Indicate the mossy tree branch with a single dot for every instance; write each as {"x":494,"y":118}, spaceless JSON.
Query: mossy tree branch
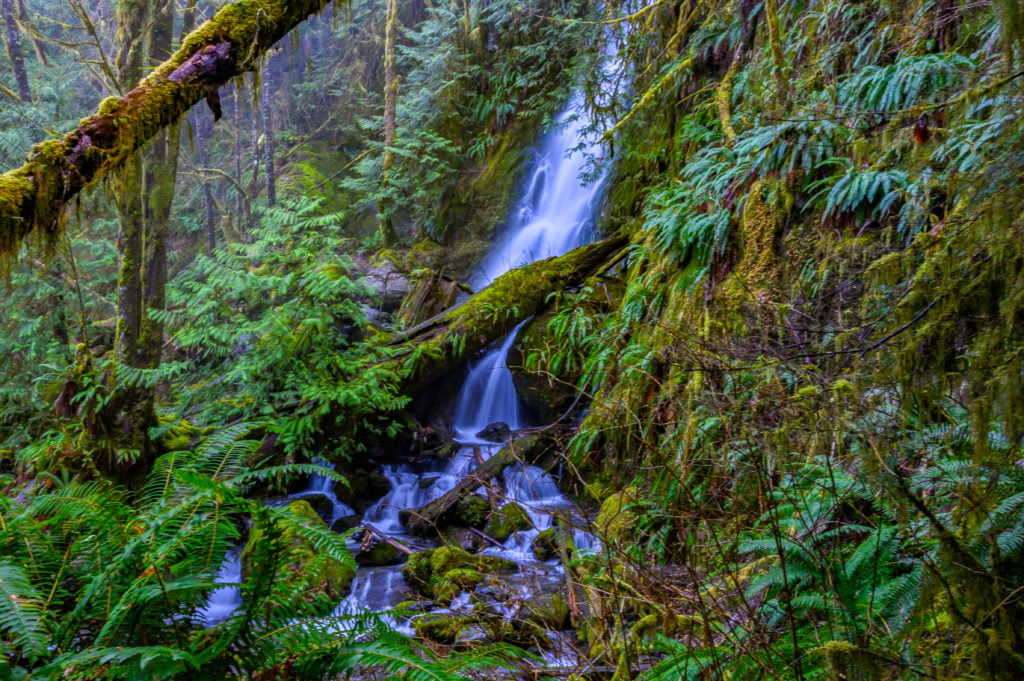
{"x":34,"y":196}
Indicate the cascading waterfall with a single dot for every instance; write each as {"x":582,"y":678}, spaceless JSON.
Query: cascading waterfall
{"x":555,"y":213}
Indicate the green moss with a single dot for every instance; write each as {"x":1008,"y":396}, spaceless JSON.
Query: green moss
{"x":441,"y":628}
{"x":472,"y":511}
{"x":507,"y":520}
{"x":440,"y":573}
{"x":616,"y":519}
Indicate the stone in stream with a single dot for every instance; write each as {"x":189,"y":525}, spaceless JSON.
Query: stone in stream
{"x":346,"y":523}
{"x":497,"y":432}
{"x":545,"y":546}
{"x":507,"y":520}
{"x":470,"y":511}
{"x":380,"y":555}
{"x":440,"y":574}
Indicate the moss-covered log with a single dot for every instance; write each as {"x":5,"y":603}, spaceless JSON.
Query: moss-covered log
{"x":33,"y":197}
{"x":434,"y":347}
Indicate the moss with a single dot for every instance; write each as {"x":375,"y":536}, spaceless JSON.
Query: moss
{"x":507,"y":520}
{"x":616,"y":520}
{"x":471,"y":511}
{"x":441,"y":628}
{"x":436,"y":572}
{"x":545,"y":546}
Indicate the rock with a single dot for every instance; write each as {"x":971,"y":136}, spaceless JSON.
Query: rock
{"x":382,"y":553}
{"x":436,"y":572}
{"x":427,"y":481}
{"x":497,"y":432}
{"x":507,"y":520}
{"x":389,"y":284}
{"x":364,"y":487}
{"x":617,"y":516}
{"x":471,"y":511}
{"x":309,"y":571}
{"x":441,"y":628}
{"x":321,"y":504}
{"x":547,"y":609}
{"x":544,"y":545}
{"x":345,"y":523}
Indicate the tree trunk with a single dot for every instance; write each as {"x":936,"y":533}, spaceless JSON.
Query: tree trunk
{"x":33,"y":197}
{"x":268,"y":143}
{"x":14,"y":50}
{"x":202,"y":136}
{"x":386,"y":227}
{"x":429,"y":350}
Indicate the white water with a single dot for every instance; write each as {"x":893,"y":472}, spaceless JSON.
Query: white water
{"x":555,"y":213}
{"x":225,"y":600}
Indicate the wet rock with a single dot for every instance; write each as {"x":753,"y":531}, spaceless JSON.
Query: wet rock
{"x":471,"y":511}
{"x":345,"y":523}
{"x":507,"y":520}
{"x":436,"y":572}
{"x":427,"y":481}
{"x":441,"y":628}
{"x":363,"y":489}
{"x":547,"y":609}
{"x":545,"y":546}
{"x":310,"y":571}
{"x":498,"y":432}
{"x":321,"y":504}
{"x":381,"y":554}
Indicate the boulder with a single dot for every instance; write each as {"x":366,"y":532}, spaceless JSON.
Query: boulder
{"x":545,"y":546}
{"x":441,"y":573}
{"x":498,"y":432}
{"x":507,"y":520}
{"x":345,"y":523}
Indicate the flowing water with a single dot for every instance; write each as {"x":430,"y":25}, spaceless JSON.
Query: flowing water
{"x":555,"y":213}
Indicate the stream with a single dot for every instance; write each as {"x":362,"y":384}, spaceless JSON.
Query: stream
{"x":554,"y":213}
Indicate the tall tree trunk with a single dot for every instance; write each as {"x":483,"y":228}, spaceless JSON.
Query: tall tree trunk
{"x":14,"y":50}
{"x":385,"y":226}
{"x":202,"y":139}
{"x":268,"y":143}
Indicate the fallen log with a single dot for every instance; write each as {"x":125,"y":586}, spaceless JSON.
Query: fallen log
{"x":422,"y":519}
{"x":232,"y":42}
{"x":429,"y":350}
{"x":388,"y":540}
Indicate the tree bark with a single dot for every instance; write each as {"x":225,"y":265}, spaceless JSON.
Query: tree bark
{"x":14,"y":52}
{"x":268,"y":141}
{"x":386,"y":227}
{"x":33,"y":197}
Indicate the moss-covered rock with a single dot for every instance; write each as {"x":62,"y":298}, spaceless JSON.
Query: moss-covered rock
{"x":471,"y":511}
{"x":441,"y":573}
{"x":441,"y":628}
{"x":382,"y":553}
{"x":545,"y":546}
{"x":507,"y":520}
{"x":308,"y":571}
{"x":617,"y":518}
